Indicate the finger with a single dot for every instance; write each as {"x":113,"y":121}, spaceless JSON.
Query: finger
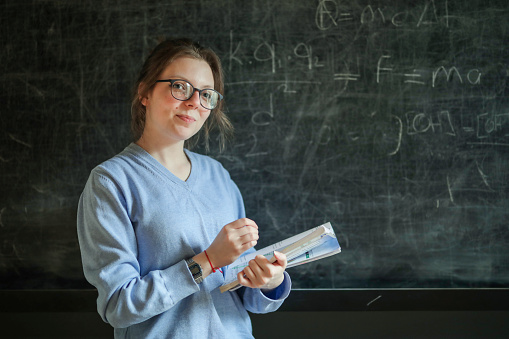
{"x":269,"y":270}
{"x":259,"y":272}
{"x":246,"y":235}
{"x":240,"y":223}
{"x":259,"y":265}
{"x":262,"y":262}
{"x":242,"y":231}
{"x":249,"y":237}
{"x":242,"y":235}
{"x":281,"y":259}
{"x":243,"y":277}
{"x":246,"y":230}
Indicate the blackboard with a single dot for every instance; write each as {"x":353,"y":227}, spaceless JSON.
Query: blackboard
{"x":390,"y":119}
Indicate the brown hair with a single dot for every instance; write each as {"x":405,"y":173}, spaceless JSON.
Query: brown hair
{"x":162,"y":56}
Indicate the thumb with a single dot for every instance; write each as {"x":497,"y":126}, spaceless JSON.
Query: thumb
{"x":280,"y":259}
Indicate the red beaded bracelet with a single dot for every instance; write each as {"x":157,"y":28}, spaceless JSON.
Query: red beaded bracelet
{"x":214,"y":269}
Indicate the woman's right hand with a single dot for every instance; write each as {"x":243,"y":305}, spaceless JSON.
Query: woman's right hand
{"x":233,"y":240}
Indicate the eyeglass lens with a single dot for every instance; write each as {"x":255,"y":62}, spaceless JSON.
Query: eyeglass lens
{"x":183,"y":90}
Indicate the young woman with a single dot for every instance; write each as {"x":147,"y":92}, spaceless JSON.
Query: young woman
{"x":158,"y":224}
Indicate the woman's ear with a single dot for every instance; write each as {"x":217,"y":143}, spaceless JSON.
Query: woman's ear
{"x":141,"y":89}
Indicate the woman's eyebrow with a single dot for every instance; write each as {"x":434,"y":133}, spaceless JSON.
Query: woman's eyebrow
{"x":180,"y":77}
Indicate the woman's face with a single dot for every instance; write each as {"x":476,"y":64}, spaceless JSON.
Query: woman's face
{"x":170,"y":120}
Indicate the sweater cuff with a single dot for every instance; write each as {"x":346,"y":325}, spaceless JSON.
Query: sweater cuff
{"x":179,"y":281}
{"x":282,"y":291}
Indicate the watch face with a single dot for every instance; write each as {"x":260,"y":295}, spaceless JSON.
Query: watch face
{"x":196,"y":270}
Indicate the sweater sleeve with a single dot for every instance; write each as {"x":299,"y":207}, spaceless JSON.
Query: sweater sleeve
{"x":109,"y":255}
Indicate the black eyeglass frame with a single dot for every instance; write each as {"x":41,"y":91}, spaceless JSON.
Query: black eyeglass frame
{"x":172,"y":81}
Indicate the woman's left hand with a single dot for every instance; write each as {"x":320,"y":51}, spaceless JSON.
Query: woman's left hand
{"x":260,"y":273}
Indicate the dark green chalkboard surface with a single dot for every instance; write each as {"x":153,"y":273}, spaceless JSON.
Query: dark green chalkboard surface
{"x":390,"y":119}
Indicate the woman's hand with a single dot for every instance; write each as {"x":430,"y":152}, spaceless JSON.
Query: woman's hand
{"x":260,"y":273}
{"x":233,"y":240}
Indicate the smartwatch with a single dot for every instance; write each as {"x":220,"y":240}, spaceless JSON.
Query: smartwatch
{"x":195,"y":269}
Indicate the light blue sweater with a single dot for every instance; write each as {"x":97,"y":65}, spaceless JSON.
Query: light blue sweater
{"x":137,"y":223}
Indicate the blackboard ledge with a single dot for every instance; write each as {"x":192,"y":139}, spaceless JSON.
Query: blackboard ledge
{"x":415,"y":299}
{"x":300,"y":300}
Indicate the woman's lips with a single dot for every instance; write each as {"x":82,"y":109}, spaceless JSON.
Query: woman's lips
{"x":186,"y":118}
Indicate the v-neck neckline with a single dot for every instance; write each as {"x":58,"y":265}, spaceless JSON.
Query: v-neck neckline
{"x":163,"y":170}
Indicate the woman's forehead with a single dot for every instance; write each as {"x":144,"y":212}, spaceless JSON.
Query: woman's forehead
{"x":196,"y":71}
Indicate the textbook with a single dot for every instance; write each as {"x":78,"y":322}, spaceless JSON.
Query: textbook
{"x":317,"y":243}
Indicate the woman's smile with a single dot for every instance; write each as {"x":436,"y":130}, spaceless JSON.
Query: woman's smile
{"x":186,"y":118}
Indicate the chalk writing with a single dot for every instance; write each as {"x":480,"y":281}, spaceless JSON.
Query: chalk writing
{"x":472,"y":76}
{"x":331,"y":13}
{"x":421,"y":123}
{"x":385,"y":68}
{"x":257,"y":118}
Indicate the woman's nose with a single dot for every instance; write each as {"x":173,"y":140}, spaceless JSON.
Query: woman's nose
{"x":194,"y":100}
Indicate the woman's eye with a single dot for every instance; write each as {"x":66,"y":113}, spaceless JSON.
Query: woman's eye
{"x":179,"y":86}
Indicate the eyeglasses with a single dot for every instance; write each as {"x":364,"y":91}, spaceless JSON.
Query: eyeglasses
{"x":183,"y":90}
